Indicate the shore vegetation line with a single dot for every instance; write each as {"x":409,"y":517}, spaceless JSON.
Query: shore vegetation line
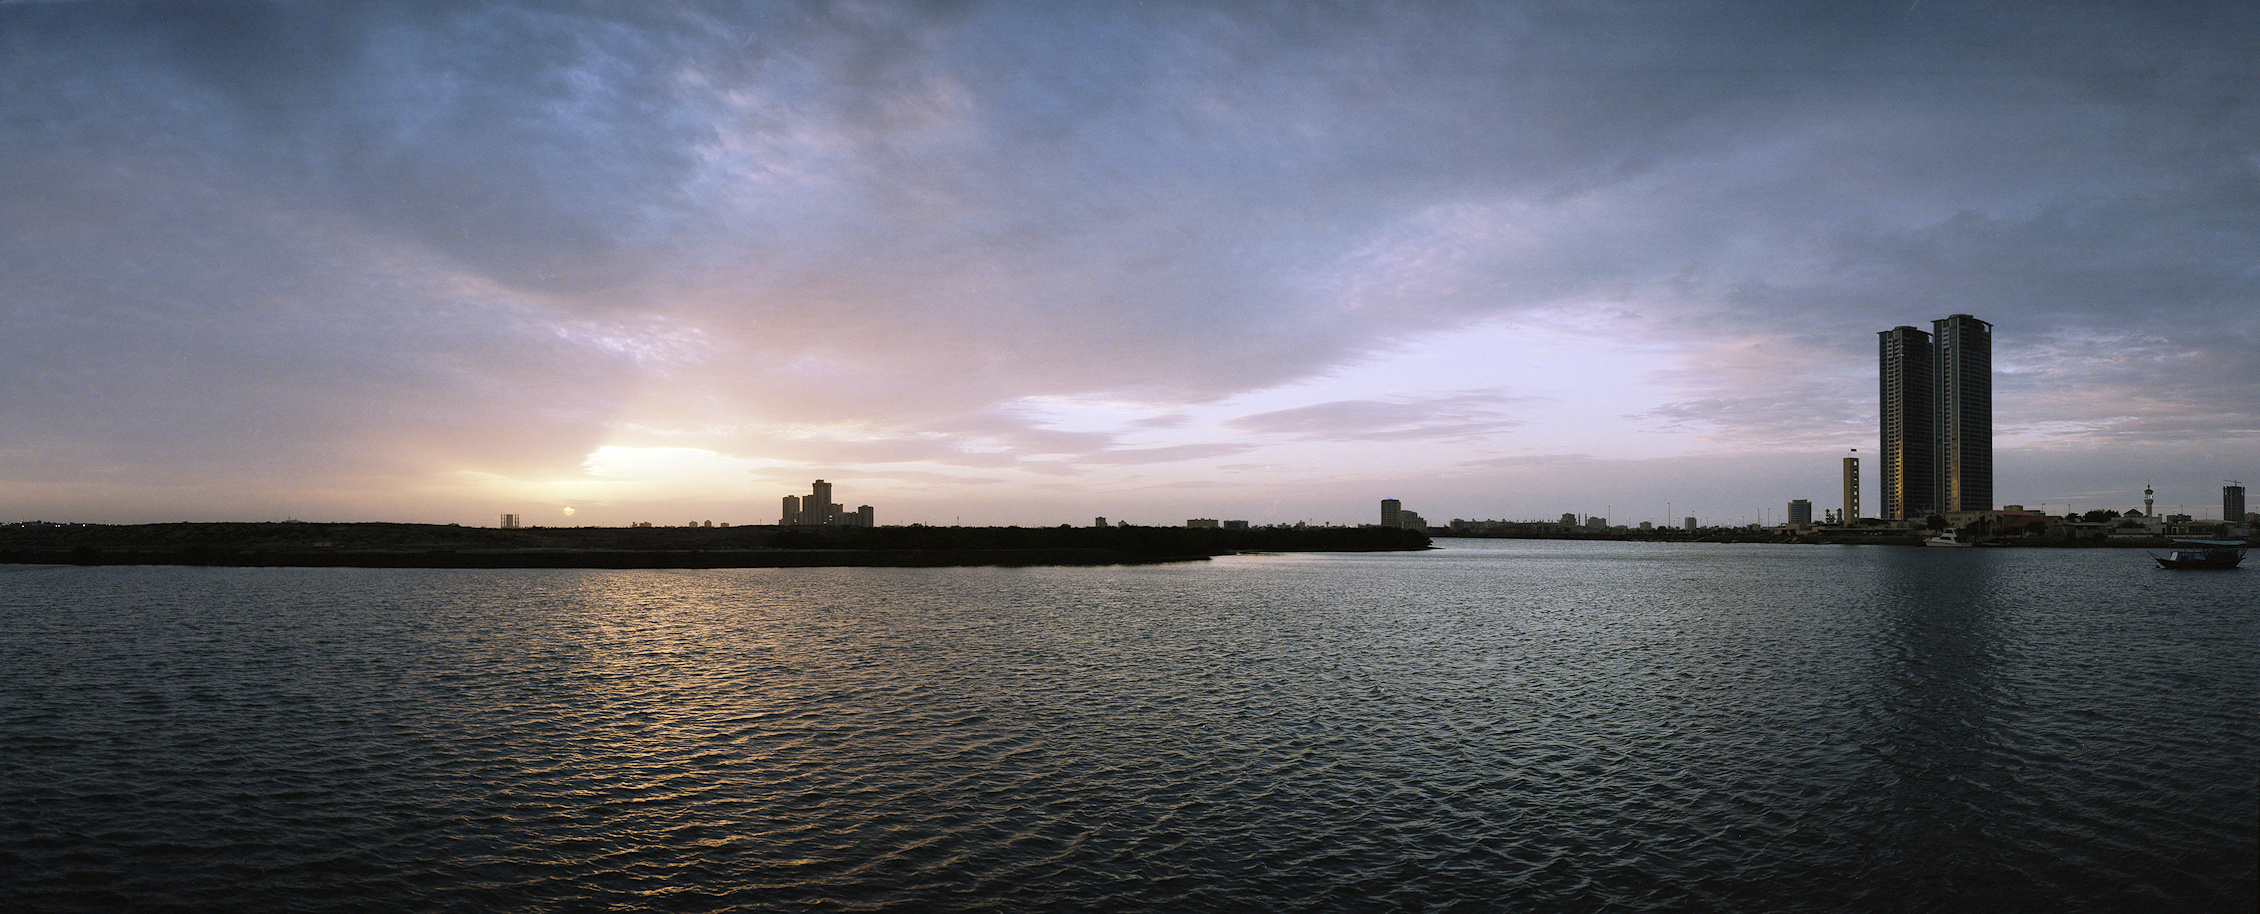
{"x":385,"y":545}
{"x":1871,"y":536}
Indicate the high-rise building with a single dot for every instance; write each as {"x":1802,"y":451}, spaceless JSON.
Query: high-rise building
{"x":1392,"y":512}
{"x":2232,"y":502}
{"x":1910,"y":452}
{"x":1965,"y":412}
{"x":1936,"y":409}
{"x":818,"y":508}
{"x":1800,"y":511}
{"x":1851,"y":513}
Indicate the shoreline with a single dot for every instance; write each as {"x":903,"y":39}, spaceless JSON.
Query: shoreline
{"x":383,"y":545}
{"x":607,"y":559}
{"x":1893,"y":539}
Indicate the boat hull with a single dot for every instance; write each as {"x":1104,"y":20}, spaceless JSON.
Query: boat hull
{"x":2201,"y":554}
{"x":2199,"y":563}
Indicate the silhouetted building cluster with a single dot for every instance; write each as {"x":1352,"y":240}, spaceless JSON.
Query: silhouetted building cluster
{"x":1393,"y":514}
{"x":816,"y":509}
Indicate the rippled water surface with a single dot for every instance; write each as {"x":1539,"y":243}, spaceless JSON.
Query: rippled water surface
{"x":1493,"y":726}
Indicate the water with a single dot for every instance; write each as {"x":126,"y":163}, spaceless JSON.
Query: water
{"x":1497,"y":726}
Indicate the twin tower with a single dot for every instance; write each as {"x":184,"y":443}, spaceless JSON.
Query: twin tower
{"x":1937,"y":418}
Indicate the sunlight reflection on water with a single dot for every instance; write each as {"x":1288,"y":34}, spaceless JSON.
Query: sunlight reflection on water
{"x":1522,"y":725}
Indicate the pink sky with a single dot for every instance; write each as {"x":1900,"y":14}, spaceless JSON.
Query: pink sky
{"x":1015,"y":264}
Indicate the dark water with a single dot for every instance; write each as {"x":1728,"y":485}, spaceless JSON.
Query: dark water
{"x":1500,"y":726}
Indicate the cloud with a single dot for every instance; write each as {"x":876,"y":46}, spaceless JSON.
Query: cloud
{"x":1458,"y":414}
{"x":320,"y":250}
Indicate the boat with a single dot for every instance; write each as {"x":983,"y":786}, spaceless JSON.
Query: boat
{"x":2201,"y":554}
{"x":1949,"y":538}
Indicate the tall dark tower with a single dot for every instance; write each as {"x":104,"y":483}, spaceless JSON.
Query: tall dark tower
{"x":1910,"y":423}
{"x":1964,"y":361}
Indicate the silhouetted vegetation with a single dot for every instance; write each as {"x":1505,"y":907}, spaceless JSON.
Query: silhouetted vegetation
{"x":1135,"y":540}
{"x":434,"y":545}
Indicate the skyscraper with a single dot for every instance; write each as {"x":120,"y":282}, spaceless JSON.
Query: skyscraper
{"x":1800,"y":511}
{"x":1910,"y":446}
{"x":1937,"y":417}
{"x":2232,"y":502}
{"x":1964,"y":361}
{"x":1392,"y":512}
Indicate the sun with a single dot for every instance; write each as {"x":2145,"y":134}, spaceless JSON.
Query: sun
{"x":568,"y":512}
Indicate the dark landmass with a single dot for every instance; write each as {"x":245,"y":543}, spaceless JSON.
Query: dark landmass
{"x":371,"y":545}
{"x":1870,"y":537}
{"x":1863,"y":536}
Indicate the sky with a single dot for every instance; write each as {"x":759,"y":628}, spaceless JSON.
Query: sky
{"x":1033,"y":263}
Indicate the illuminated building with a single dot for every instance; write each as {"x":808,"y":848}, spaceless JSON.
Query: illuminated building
{"x":1936,"y":409}
{"x":1964,"y":362}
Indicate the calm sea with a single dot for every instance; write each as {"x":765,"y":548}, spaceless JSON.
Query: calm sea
{"x":1541,"y":726}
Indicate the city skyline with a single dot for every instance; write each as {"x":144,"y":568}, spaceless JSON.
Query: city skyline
{"x":818,"y":509}
{"x":1013,"y":263}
